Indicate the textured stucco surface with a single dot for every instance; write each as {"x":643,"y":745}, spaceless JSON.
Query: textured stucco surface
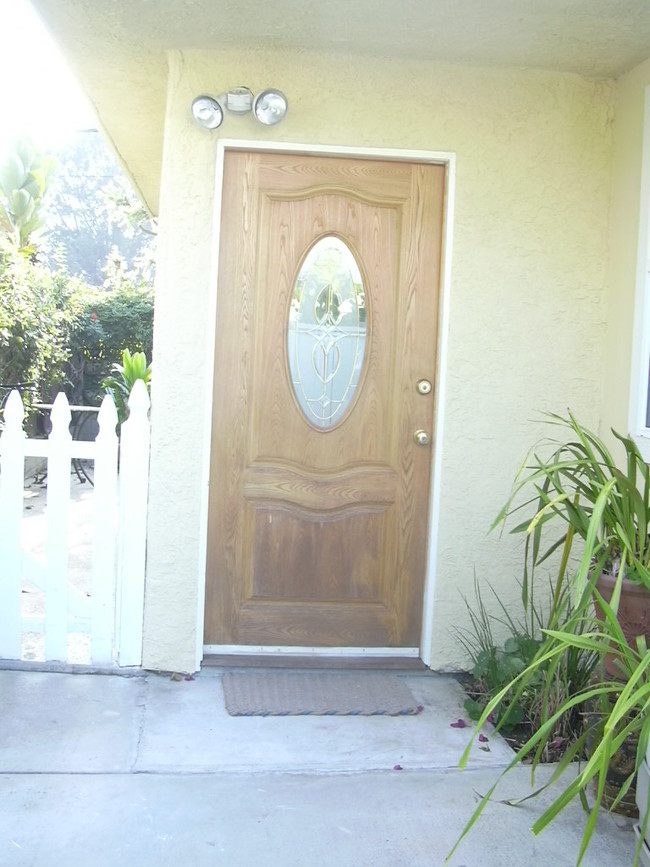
{"x":623,"y":244}
{"x":527,"y":306}
{"x":119,"y":54}
{"x":600,"y":38}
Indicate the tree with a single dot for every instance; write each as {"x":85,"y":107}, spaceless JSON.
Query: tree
{"x":92,"y":210}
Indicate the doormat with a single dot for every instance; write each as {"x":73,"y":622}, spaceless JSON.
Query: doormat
{"x":282,"y":693}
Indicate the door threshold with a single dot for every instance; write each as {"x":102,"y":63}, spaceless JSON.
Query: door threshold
{"x":348,"y":661}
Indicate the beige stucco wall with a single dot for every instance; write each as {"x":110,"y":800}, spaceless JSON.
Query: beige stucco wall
{"x":526,"y":311}
{"x":623,"y":244}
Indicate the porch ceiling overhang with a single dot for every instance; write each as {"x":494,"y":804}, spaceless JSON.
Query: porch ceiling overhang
{"x":118,"y":48}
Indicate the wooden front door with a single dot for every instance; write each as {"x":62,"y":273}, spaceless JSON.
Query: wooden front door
{"x":327,"y":314}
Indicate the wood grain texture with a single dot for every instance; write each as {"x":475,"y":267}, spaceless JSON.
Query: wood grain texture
{"x":319,"y":537}
{"x":320,"y":491}
{"x":311,"y":624}
{"x":333,"y":557}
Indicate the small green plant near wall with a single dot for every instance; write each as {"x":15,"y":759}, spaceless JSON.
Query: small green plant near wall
{"x":496,"y":665}
{"x":124,"y":376}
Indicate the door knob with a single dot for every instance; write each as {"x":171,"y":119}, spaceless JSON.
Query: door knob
{"x":423,"y":386}
{"x":421,"y":438}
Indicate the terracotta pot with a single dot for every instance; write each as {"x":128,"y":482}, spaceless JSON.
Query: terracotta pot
{"x":634,"y":620}
{"x":633,"y":612}
{"x":622,"y":762}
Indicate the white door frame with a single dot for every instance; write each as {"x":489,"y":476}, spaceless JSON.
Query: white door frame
{"x":447,"y":159}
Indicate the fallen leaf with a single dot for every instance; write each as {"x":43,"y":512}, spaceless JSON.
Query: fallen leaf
{"x":175,"y":676}
{"x":398,"y":768}
{"x":459,"y":724}
{"x":482,"y":739}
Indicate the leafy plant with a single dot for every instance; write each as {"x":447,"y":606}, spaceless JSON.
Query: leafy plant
{"x":617,"y":711}
{"x":124,"y":377}
{"x":581,"y":488}
{"x":112,"y":321}
{"x":24,"y":179}
{"x":495,"y":666}
{"x":38,"y":311}
{"x":492,"y":665}
{"x":567,"y":485}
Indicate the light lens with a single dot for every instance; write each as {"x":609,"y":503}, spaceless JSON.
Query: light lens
{"x":207,"y":112}
{"x":270,"y":107}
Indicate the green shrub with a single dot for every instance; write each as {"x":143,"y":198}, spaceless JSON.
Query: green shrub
{"x":113,"y":320}
{"x":38,"y":312}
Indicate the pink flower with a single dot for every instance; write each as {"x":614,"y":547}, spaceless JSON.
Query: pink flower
{"x":459,"y":724}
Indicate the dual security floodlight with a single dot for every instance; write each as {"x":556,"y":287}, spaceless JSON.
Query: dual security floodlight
{"x":269,"y":107}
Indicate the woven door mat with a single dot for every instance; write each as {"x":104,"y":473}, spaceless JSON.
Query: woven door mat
{"x":281,"y":693}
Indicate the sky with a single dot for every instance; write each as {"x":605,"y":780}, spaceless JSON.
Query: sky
{"x":39,"y":96}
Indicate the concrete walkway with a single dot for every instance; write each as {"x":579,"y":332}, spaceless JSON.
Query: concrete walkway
{"x":144,"y":770}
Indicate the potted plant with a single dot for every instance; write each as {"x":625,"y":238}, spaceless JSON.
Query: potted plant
{"x":566,"y":488}
{"x":581,"y":493}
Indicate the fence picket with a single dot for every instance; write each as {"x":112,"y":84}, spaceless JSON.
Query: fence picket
{"x":12,"y":463}
{"x":58,"y":501}
{"x":134,"y":484}
{"x":113,"y":614}
{"x":104,"y":535}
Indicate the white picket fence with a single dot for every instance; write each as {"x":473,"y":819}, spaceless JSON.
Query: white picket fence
{"x":119,"y":516}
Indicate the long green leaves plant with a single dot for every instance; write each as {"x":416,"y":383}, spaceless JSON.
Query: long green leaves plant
{"x":567,"y":485}
{"x":621,"y":712}
{"x":581,"y":488}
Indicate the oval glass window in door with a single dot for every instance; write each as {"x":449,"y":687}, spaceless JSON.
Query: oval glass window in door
{"x":326,"y":333}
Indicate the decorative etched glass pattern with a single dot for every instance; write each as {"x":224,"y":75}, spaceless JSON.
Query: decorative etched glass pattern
{"x":327,"y":332}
